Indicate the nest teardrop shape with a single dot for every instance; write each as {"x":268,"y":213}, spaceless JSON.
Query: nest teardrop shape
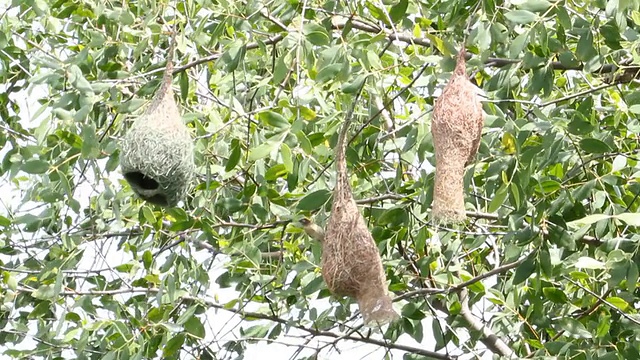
{"x":457,"y":129}
{"x":157,"y":152}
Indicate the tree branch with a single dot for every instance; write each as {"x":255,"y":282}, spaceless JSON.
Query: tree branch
{"x":604,"y":301}
{"x":339,"y":24}
{"x":247,"y":315}
{"x":215,"y":56}
{"x":464,"y":284}
{"x":492,"y":61}
{"x":491,"y":340}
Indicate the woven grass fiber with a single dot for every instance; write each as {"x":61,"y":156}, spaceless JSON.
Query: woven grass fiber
{"x":157,"y":153}
{"x":351,"y":264}
{"x":457,"y":129}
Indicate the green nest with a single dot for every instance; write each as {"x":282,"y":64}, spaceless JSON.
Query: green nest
{"x":157,"y":158}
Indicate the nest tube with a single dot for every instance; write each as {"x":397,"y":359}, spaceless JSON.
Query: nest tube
{"x":157,"y":152}
{"x":456,"y":128}
{"x":351,"y":263}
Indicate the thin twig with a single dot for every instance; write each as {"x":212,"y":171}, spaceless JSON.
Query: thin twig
{"x":603,"y":300}
{"x":462,"y":285}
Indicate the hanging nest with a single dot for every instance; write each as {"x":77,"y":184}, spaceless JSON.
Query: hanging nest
{"x":456,"y":128}
{"x":157,"y":153}
{"x":351,"y":264}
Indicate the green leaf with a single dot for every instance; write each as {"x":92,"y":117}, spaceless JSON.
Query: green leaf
{"x":594,"y":146}
{"x":280,"y":71}
{"x":184,"y":86}
{"x":563,"y":17}
{"x":287,"y":158}
{"x":316,"y":34}
{"x":147,"y":259}
{"x":232,"y":205}
{"x":275,"y":172}
{"x":78,"y":81}
{"x":580,"y":127}
{"x":44,"y":292}
{"x":585,"y":50}
{"x":411,"y":311}
{"x":4,"y":221}
{"x":498,"y":198}
{"x":234,"y":157}
{"x":257,"y":331}
{"x":41,"y":310}
{"x":524,"y":270}
{"x":274,"y":119}
{"x":35,"y":166}
{"x":632,"y":219}
{"x":173,"y":345}
{"x":313,"y":286}
{"x":555,"y":295}
{"x":234,"y":55}
{"x":194,"y":327}
{"x":521,"y":16}
{"x":355,"y":85}
{"x":90,"y":146}
{"x":314,"y":200}
{"x":149,"y":217}
{"x":588,"y":220}
{"x":328,"y":72}
{"x":377,"y":12}
{"x":518,"y":44}
{"x":126,"y":18}
{"x":398,"y":10}
{"x":619,"y":163}
{"x":262,"y":151}
{"x":618,"y":302}
{"x":574,"y":328}
{"x":483,"y":38}
{"x":585,"y":262}
{"x":549,"y":186}
{"x":532,"y":5}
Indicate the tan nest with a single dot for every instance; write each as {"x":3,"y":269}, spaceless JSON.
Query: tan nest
{"x":351,"y":264}
{"x":457,"y":129}
{"x":157,"y":153}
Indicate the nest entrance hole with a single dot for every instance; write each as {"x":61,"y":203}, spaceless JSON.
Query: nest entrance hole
{"x":147,"y":188}
{"x":141,"y":180}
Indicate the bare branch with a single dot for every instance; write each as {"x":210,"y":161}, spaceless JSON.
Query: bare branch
{"x":462,"y":285}
{"x":255,"y":315}
{"x":215,"y":56}
{"x":491,"y":340}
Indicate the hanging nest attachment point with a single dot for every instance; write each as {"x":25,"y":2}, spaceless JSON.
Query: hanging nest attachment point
{"x":351,"y":264}
{"x":456,"y":128}
{"x":157,"y":153}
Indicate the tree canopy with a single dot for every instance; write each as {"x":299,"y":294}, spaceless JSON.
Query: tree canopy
{"x":545,"y":266}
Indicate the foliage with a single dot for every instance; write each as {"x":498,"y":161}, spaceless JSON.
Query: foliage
{"x":548,"y":262}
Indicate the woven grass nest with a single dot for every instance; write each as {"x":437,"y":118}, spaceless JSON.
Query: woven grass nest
{"x":157,"y":153}
{"x":457,"y":129}
{"x":351,"y":264}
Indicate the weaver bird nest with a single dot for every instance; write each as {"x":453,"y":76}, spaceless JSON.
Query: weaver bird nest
{"x":456,"y":128}
{"x":351,"y":264}
{"x":157,"y":153}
